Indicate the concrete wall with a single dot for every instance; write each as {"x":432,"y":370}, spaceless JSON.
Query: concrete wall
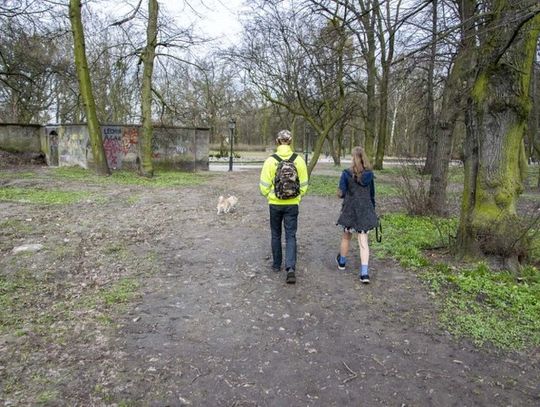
{"x":173,"y":147}
{"x":184,"y":148}
{"x":18,"y":138}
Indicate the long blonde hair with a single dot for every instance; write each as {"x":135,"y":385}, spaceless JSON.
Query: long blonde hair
{"x":360,"y":161}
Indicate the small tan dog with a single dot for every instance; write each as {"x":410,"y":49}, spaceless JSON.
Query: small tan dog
{"x":225,"y":205}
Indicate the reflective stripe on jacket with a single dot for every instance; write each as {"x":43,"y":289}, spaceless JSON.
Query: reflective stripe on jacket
{"x":268,"y":173}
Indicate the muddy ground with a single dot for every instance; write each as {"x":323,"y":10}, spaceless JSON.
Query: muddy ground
{"x":211,"y":324}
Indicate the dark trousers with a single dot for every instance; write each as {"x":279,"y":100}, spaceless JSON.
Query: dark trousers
{"x":286,"y":215}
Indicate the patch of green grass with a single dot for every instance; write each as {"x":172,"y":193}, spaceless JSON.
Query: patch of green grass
{"x":456,"y":174}
{"x":499,"y":308}
{"x":17,"y":292}
{"x":47,"y":396}
{"x":405,"y":237}
{"x":28,"y":303}
{"x":327,"y":185}
{"x":114,"y":249}
{"x":133,"y":199}
{"x":385,"y":190}
{"x":393,"y":170}
{"x":40,"y":196}
{"x":16,"y":175}
{"x":324,"y":185}
{"x":162,"y":178}
{"x":14,"y":226}
{"x":120,"y":292}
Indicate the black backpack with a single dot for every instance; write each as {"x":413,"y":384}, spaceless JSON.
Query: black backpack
{"x":286,"y":181}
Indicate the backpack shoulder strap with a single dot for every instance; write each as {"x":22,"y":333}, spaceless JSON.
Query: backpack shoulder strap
{"x":277,"y":158}
{"x":292,"y":157}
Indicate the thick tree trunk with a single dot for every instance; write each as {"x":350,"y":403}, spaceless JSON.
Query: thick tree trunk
{"x":146,"y":167}
{"x":85,"y":85}
{"x":453,"y":104}
{"x":452,"y":107}
{"x":497,"y":115}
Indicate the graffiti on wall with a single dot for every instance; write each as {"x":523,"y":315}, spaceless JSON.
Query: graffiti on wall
{"x":112,"y":144}
{"x":120,"y":144}
{"x":130,"y":138}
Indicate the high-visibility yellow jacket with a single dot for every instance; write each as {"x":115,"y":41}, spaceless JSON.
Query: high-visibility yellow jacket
{"x":268,"y":174}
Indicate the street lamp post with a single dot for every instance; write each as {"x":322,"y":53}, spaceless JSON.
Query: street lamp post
{"x":232,"y":126}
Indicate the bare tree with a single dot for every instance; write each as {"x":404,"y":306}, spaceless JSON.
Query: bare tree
{"x":30,"y":60}
{"x":303,"y":69}
{"x":388,"y":22}
{"x":85,"y":85}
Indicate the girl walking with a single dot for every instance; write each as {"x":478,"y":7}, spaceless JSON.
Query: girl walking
{"x":357,"y":189}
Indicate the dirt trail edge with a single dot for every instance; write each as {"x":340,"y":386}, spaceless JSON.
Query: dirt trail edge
{"x":214,"y":325}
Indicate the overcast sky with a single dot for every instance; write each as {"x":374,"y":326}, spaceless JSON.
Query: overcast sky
{"x":215,"y":18}
{"x":218,"y":18}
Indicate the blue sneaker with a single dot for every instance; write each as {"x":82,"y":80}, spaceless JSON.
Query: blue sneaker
{"x":364,"y":278}
{"x":340,"y":264}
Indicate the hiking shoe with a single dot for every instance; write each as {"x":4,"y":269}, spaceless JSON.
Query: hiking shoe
{"x":340,"y":265}
{"x":291,"y":277}
{"x":276,"y":269}
{"x":364,"y":278}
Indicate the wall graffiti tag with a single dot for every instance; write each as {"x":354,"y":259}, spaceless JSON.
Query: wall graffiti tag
{"x":178,"y":147}
{"x":113,"y":146}
{"x":130,"y":139}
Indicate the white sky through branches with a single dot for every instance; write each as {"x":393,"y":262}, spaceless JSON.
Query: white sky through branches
{"x":217,"y":19}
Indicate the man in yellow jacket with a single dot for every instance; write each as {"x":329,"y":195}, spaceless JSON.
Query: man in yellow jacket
{"x":283,"y":207}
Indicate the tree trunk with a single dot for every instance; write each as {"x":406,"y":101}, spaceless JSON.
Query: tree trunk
{"x":85,"y":85}
{"x":371,"y":116}
{"x":367,"y":19}
{"x":497,"y":114}
{"x":146,"y":167}
{"x":317,"y":148}
{"x":534,"y":121}
{"x":383,"y":118}
{"x":334,"y":151}
{"x":453,"y":104}
{"x":385,"y":26}
{"x":430,"y":116}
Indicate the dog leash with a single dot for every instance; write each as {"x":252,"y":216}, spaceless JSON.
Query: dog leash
{"x":378,"y":231}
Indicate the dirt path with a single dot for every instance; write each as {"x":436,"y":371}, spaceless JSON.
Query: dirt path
{"x":215,"y":327}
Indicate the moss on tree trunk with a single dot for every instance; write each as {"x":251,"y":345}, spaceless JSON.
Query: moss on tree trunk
{"x":85,"y":85}
{"x":496,"y":118}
